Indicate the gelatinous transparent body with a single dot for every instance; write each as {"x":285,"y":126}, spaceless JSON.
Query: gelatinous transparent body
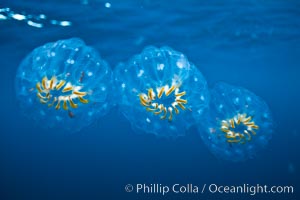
{"x":160,"y":90}
{"x":64,"y":84}
{"x":237,"y":123}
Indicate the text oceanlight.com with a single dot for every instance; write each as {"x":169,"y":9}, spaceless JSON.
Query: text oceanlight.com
{"x":207,"y":188}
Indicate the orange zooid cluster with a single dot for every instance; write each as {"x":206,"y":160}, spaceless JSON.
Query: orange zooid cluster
{"x":149,"y":101}
{"x":68,"y":94}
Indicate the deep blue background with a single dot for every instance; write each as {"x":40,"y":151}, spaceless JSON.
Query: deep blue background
{"x":255,"y":45}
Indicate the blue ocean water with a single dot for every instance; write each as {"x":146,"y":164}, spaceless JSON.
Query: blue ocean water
{"x":254,"y":44}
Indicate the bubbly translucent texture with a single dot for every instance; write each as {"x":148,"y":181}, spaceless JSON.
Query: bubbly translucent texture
{"x":64,"y":71}
{"x":237,"y":123}
{"x":159,"y":91}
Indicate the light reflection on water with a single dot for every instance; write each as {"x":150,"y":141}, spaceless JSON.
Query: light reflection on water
{"x":34,"y":20}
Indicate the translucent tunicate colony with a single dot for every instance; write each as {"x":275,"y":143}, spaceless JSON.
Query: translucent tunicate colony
{"x":160,"y":91}
{"x":237,"y":123}
{"x":64,"y":84}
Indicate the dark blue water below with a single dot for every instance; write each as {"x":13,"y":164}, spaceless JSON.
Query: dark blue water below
{"x":254,"y":44}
